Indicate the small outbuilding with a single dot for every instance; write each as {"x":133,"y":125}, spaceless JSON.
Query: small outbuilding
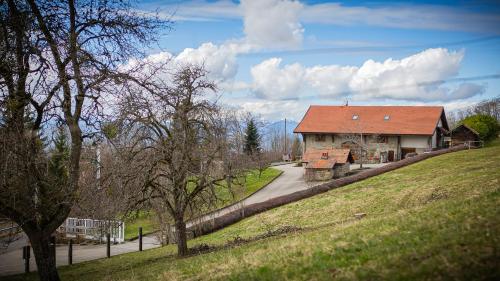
{"x":325,"y":164}
{"x":462,"y":134}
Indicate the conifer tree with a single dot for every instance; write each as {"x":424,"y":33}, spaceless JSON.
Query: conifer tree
{"x":60,"y":156}
{"x":252,"y":138}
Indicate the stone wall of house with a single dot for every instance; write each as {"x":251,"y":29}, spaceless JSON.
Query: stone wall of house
{"x":377,"y":146}
{"x":310,"y":140}
{"x":318,"y":174}
{"x":376,"y":149}
{"x":341,"y":170}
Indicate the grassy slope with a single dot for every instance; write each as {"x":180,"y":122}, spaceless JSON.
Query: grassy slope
{"x":437,"y":219}
{"x":144,"y":220}
{"x":251,"y":184}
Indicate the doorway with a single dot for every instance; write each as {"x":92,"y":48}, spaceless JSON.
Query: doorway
{"x":406,"y":150}
{"x":390,"y":156}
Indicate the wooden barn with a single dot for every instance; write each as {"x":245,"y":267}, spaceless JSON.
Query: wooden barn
{"x":463,"y":134}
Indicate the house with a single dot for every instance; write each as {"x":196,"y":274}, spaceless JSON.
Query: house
{"x":325,"y":164}
{"x":374,"y":133}
{"x":462,"y":134}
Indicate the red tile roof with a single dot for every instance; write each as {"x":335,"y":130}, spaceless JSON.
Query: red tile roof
{"x":339,"y":155}
{"x":402,"y":120}
{"x":321,"y":164}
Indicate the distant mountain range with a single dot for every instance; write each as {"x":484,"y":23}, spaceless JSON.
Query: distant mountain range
{"x":280,"y":126}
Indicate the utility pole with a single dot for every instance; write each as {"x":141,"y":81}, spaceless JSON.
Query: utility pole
{"x":286,"y":151}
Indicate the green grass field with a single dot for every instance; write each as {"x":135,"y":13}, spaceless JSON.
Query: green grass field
{"x":438,"y":219}
{"x":249,"y":185}
{"x":142,"y":219}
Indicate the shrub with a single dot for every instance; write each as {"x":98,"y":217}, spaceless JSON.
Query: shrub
{"x":487,"y":126}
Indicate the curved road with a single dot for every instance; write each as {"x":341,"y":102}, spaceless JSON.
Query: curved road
{"x":290,"y":181}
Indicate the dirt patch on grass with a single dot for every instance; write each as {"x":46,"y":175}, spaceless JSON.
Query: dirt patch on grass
{"x":238,"y":241}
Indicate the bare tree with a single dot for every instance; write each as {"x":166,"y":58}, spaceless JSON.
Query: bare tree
{"x":100,"y":196}
{"x":489,"y":107}
{"x":357,"y":140}
{"x":54,"y":58}
{"x":180,"y":145}
{"x":296,"y":148}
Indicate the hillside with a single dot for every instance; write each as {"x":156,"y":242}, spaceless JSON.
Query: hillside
{"x":437,"y":219}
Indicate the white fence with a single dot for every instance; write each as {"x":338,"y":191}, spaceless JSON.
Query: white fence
{"x":94,"y":229}
{"x":473,"y":144}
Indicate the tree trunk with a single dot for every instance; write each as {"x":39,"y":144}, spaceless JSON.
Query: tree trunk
{"x":45,"y":260}
{"x":180,"y":232}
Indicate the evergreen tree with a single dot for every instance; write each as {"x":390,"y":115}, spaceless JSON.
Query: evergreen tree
{"x":60,"y":156}
{"x":252,"y":138}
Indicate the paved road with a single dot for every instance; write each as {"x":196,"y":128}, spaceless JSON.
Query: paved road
{"x":290,"y":181}
{"x":11,"y":261}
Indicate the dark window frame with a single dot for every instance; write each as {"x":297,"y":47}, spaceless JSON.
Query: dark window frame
{"x":382,"y":139}
{"x":320,"y":137}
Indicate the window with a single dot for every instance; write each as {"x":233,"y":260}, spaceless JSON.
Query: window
{"x":320,"y":137}
{"x":333,"y":139}
{"x":387,"y":117}
{"x":355,"y":117}
{"x":382,"y":139}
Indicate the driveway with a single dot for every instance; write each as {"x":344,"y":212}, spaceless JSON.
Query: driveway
{"x":290,"y":181}
{"x":11,"y":261}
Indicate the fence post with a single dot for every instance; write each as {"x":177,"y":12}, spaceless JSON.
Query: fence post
{"x":53,"y":247}
{"x":26,"y":257}
{"x":108,"y":245}
{"x":70,"y":252}
{"x":140,"y":238}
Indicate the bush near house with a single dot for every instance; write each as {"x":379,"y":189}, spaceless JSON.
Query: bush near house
{"x":487,"y":126}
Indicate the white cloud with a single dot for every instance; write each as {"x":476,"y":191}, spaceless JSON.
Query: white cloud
{"x":465,"y":90}
{"x":233,"y":86}
{"x":272,"y":23}
{"x":275,"y":110}
{"x":219,"y":61}
{"x":203,"y":11}
{"x":434,"y":17}
{"x":271,"y":81}
{"x":405,"y":79}
{"x":331,"y":79}
{"x":267,"y":24}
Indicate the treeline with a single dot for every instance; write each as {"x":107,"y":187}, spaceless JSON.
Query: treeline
{"x":483,"y":117}
{"x":490,"y":107}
